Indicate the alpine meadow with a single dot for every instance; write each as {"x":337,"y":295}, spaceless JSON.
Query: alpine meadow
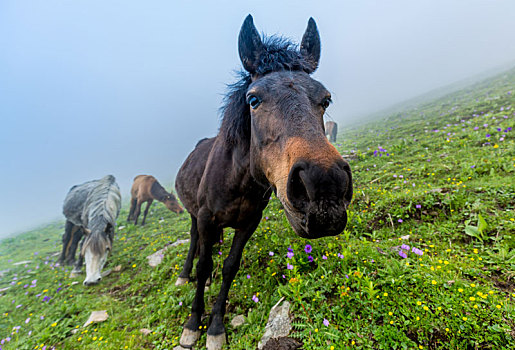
{"x":427,"y":260}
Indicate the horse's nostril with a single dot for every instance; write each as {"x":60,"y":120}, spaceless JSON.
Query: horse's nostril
{"x":296,"y":190}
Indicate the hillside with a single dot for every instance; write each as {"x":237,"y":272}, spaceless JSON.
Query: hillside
{"x":427,"y":260}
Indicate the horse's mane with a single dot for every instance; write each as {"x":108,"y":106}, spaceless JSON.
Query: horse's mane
{"x":278,"y":54}
{"x":103,"y":206}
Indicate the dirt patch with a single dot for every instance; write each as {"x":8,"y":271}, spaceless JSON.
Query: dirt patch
{"x":285,"y":343}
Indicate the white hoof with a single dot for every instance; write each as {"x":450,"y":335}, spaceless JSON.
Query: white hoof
{"x":189,"y":338}
{"x":181,"y":281}
{"x":215,"y":342}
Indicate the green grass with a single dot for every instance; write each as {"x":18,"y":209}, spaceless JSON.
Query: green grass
{"x":451,"y":191}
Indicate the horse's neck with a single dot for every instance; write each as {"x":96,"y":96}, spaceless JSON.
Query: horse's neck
{"x":158,"y":191}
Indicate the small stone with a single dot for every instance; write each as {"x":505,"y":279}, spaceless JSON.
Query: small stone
{"x":178,"y":347}
{"x":157,"y":258}
{"x":279,"y":323}
{"x":238,"y":321}
{"x":145,"y":331}
{"x":22,"y":262}
{"x":96,"y":316}
{"x":117,"y":268}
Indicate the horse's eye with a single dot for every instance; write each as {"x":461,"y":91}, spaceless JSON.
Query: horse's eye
{"x":253,"y":101}
{"x":326,"y":102}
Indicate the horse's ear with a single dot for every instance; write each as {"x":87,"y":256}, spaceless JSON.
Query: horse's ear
{"x":310,"y":45}
{"x":249,"y":45}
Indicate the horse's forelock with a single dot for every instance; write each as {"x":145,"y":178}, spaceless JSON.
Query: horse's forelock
{"x":97,"y":241}
{"x":278,"y":54}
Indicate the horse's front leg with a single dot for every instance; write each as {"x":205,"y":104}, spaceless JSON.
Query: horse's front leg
{"x":66,"y":242}
{"x":77,"y":234}
{"x":208,"y":234}
{"x":149,"y":203}
{"x":77,"y":269}
{"x":216,"y":331}
{"x":184,"y":276}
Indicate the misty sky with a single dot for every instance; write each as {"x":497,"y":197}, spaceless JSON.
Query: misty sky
{"x":89,"y":88}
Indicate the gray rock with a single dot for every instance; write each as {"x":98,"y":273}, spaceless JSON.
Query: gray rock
{"x":157,"y":258}
{"x":178,"y":347}
{"x":22,"y":262}
{"x":279,"y":323}
{"x":238,"y":321}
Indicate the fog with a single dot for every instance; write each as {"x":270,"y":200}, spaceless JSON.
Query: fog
{"x":89,"y":88}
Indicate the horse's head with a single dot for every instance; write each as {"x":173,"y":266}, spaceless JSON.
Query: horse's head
{"x":172,"y":204}
{"x":95,"y":249}
{"x":289,"y":149}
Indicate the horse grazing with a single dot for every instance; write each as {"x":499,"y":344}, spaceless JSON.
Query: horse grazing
{"x":271,"y":138}
{"x":331,"y":129}
{"x":91,"y":210}
{"x":145,"y":189}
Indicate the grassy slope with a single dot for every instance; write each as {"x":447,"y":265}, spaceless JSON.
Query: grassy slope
{"x":431,"y":185}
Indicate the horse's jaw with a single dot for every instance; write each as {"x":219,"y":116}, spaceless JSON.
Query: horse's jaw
{"x":94,"y":265}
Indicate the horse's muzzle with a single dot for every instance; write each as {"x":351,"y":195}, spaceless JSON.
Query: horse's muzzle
{"x":319,"y":198}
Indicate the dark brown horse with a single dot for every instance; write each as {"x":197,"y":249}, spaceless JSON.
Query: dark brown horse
{"x":271,"y":139}
{"x":331,"y":129}
{"x":145,"y":189}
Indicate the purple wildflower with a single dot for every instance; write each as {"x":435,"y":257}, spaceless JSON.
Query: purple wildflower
{"x":255,"y":298}
{"x":310,"y":258}
{"x":27,"y":320}
{"x":289,"y":255}
{"x":418,"y":206}
{"x":271,"y":253}
{"x":405,"y":247}
{"x":46,"y":298}
{"x":248,"y":276}
{"x":488,"y":135}
{"x":326,"y":322}
{"x":402,"y":254}
{"x":289,"y":267}
{"x":400,"y":220}
{"x":180,"y":303}
{"x":324,"y":257}
{"x":340,"y":256}
{"x":308,"y":248}
{"x":417,"y":251}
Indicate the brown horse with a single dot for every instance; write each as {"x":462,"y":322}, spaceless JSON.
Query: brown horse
{"x":145,"y":189}
{"x":331,"y":129}
{"x":271,"y":139}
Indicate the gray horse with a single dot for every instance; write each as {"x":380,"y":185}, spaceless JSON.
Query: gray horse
{"x":91,"y":210}
{"x":331,"y":129}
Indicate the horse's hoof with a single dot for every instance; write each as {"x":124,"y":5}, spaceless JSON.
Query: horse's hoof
{"x":189,"y":338}
{"x":215,"y":342}
{"x":181,"y":281}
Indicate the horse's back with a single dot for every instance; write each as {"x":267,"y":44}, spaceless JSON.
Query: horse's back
{"x":191,"y":172}
{"x":142,"y":184}
{"x":74,"y":202}
{"x":79,"y":198}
